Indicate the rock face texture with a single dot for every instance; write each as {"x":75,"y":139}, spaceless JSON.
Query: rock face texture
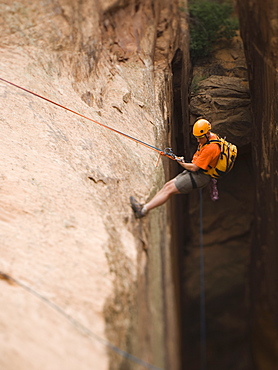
{"x":259,"y":30}
{"x":220,"y":92}
{"x":81,"y":279}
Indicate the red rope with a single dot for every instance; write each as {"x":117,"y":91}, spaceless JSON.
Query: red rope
{"x":161,"y":152}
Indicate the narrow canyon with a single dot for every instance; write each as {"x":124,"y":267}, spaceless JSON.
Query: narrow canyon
{"x":83,"y":283}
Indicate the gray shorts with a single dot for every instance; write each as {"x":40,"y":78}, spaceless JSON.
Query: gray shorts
{"x":187,"y":181}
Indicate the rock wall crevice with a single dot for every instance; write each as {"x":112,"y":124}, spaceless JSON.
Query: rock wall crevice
{"x":219,"y":92}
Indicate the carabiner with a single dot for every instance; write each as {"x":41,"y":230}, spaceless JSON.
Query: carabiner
{"x":169,"y":152}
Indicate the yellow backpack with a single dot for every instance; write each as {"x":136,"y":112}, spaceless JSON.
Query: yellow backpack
{"x":227,"y":157}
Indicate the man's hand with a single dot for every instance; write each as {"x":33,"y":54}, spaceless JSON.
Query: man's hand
{"x":180,"y":159}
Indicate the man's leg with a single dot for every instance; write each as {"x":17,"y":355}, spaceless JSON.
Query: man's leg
{"x":160,"y":198}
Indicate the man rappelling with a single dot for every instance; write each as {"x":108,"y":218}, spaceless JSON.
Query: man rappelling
{"x":209,"y":161}
{"x":197,"y":174}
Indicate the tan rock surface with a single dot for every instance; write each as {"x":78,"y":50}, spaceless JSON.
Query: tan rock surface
{"x":68,"y":235}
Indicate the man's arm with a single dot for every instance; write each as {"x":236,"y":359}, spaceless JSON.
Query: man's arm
{"x":187,"y":166}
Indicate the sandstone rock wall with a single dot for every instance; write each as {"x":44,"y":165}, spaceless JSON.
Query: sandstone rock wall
{"x":260,"y":34}
{"x":77,"y":270}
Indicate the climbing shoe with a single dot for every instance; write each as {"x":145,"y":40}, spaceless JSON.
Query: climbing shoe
{"x":136,"y":207}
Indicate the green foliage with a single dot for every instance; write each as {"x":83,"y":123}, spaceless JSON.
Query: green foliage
{"x":194,"y":87}
{"x":210,"y":21}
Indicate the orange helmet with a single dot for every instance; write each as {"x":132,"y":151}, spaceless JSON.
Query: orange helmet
{"x":201,"y":127}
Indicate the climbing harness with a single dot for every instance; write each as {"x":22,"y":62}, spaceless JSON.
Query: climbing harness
{"x":194,"y":185}
{"x":167,"y":152}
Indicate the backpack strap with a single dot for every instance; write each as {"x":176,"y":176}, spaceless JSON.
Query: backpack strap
{"x":216,"y":141}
